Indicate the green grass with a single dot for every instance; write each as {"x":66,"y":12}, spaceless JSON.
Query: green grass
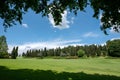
{"x":60,"y":69}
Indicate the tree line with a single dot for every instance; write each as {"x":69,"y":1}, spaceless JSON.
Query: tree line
{"x":89,"y":51}
{"x":112,"y":48}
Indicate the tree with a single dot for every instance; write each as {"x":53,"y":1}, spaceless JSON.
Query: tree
{"x":23,"y":54}
{"x":13,"y":56}
{"x":14,"y":53}
{"x":16,"y":50}
{"x":58,"y":51}
{"x":45,"y":51}
{"x":81,"y":53}
{"x":50,"y":52}
{"x":3,"y":47}
{"x":11,"y":11}
{"x":113,"y":47}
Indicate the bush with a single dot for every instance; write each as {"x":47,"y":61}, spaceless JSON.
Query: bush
{"x":114,"y":48}
{"x":4,"y":55}
{"x":81,"y":53}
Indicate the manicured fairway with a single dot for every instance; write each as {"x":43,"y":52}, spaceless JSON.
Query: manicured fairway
{"x":90,"y":67}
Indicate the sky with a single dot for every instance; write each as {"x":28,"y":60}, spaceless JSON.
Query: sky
{"x":37,"y":32}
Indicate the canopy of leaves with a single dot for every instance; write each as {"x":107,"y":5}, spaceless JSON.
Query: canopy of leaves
{"x":11,"y":11}
{"x":114,"y":48}
{"x":81,"y":53}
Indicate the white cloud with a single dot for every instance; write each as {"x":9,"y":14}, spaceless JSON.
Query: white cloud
{"x":25,"y":25}
{"x":100,"y":16}
{"x":47,"y":44}
{"x":115,"y":38}
{"x":72,"y":20}
{"x":63,"y":25}
{"x":112,"y":30}
{"x":90,"y":34}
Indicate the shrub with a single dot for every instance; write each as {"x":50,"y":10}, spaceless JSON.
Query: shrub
{"x":81,"y":53}
{"x":113,"y":47}
{"x":4,"y":55}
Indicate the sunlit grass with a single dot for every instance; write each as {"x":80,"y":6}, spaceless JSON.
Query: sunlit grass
{"x":89,"y":65}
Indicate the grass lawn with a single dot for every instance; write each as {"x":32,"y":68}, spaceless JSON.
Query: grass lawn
{"x":60,"y":69}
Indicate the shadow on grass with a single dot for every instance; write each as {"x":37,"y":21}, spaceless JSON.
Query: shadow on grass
{"x":29,"y":74}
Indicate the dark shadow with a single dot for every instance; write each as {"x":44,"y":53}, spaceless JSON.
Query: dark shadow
{"x":29,"y":74}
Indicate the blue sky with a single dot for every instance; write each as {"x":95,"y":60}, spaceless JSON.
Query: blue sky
{"x":38,"y":32}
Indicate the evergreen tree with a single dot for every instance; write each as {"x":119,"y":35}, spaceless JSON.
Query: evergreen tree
{"x":14,"y":53}
{"x":16,"y":50}
{"x":45,"y":51}
{"x":23,"y":54}
{"x":3,"y":47}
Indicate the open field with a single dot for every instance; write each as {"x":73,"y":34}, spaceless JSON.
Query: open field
{"x":60,"y":69}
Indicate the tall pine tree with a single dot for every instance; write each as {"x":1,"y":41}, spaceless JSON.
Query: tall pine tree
{"x":14,"y":53}
{"x":3,"y":47}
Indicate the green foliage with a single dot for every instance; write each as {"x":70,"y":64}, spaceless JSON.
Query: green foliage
{"x":114,"y":48}
{"x":11,"y":11}
{"x":4,"y":55}
{"x":3,"y":47}
{"x":14,"y":53}
{"x":110,"y":13}
{"x":68,"y":52}
{"x":81,"y":53}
